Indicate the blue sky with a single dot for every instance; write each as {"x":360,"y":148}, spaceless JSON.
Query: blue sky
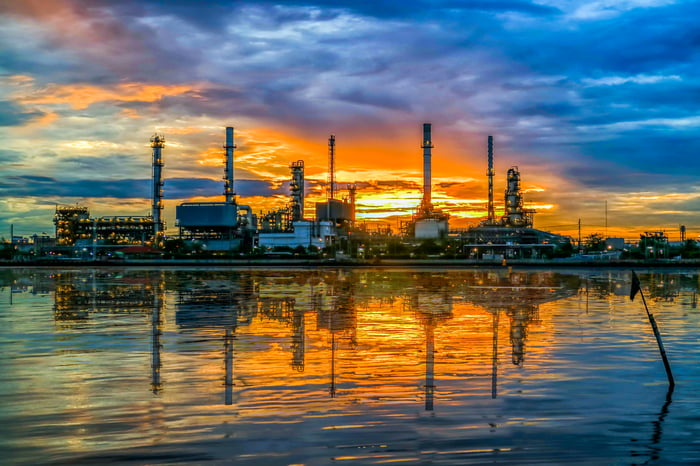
{"x":593,"y":101}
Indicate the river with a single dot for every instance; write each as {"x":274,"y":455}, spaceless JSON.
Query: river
{"x":347,"y":366}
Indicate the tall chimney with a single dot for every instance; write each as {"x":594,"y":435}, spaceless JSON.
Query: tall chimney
{"x":331,"y":167}
{"x":490,"y":173}
{"x":157,"y":142}
{"x":228,"y":174}
{"x":427,"y":175}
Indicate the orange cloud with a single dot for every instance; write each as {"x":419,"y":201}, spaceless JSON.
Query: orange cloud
{"x":81,"y":96}
{"x":130,"y":113}
{"x":44,"y":120}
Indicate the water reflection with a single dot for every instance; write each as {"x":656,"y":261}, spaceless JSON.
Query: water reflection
{"x":269,"y":345}
{"x":221,"y":302}
{"x":224,"y":301}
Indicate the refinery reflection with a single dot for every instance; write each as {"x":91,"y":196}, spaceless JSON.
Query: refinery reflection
{"x":342,"y":316}
{"x":79,"y":295}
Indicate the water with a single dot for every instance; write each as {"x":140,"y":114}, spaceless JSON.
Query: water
{"x":361,"y":366}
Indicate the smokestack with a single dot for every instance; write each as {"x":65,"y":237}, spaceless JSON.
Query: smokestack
{"x":157,"y":142}
{"x":229,"y":194}
{"x":490,"y":173}
{"x":331,"y":167}
{"x":427,"y":171}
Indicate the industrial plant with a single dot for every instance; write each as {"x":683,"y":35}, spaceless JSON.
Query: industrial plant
{"x":228,"y":226}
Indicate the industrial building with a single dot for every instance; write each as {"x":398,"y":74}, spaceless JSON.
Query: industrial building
{"x":218,"y":225}
{"x":335,"y":218}
{"x":76,"y":229}
{"x":341,"y":212}
{"x":513,"y":235}
{"x":228,"y":225}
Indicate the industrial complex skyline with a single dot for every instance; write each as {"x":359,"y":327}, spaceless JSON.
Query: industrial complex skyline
{"x":593,"y":101}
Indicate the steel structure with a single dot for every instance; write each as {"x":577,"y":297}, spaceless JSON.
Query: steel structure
{"x":340,"y":212}
{"x":229,"y":193}
{"x":68,"y":221}
{"x":122,"y":230}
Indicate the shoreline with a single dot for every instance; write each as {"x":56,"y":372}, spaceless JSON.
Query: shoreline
{"x":390,"y":263}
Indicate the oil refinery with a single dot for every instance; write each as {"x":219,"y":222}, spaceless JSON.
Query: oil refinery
{"x":228,"y":226}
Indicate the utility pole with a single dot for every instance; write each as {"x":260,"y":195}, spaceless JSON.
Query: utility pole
{"x":606,"y":219}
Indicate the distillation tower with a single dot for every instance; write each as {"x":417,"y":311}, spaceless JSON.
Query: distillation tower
{"x":515,"y":215}
{"x":283,"y":220}
{"x":297,"y":190}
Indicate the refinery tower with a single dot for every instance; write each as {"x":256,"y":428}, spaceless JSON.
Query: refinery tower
{"x":428,"y":222}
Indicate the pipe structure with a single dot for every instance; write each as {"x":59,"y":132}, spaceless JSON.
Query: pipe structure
{"x":249,"y":218}
{"x":427,"y":173}
{"x":229,"y":194}
{"x":331,"y":167}
{"x":490,"y":173}
{"x":157,"y":143}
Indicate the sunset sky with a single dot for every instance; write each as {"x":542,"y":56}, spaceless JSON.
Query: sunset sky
{"x":594,"y":101}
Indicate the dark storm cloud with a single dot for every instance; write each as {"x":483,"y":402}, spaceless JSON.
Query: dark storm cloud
{"x":174,"y":188}
{"x":99,"y":165}
{"x":378,"y":99}
{"x":12,"y":114}
{"x":182,"y":188}
{"x":21,"y":186}
{"x":645,"y":159}
{"x":212,"y":12}
{"x":631,"y":101}
{"x":270,"y":76}
{"x":640,"y":40}
{"x":421,"y":8}
{"x":622,"y":181}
